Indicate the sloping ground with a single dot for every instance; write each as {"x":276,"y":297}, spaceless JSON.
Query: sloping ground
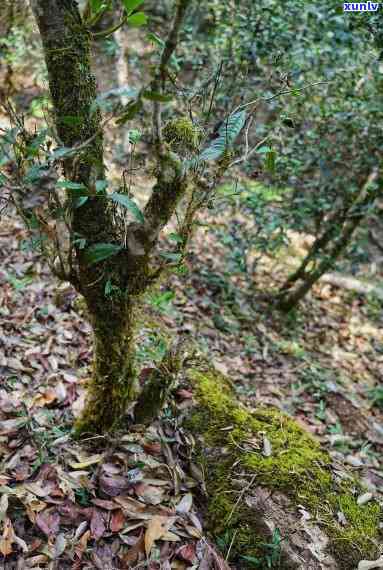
{"x":71,"y":505}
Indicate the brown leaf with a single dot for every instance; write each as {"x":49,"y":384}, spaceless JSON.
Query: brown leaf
{"x":87,"y":462}
{"x":187,"y":552}
{"x":97,"y":524}
{"x":154,"y":448}
{"x":82,"y":544}
{"x":48,"y":522}
{"x":212,"y":560}
{"x":117,"y":521}
{"x":8,"y":538}
{"x":44,"y":399}
{"x":9,"y":426}
{"x":113,"y":486}
{"x":133,"y":553}
{"x":157,"y":527}
{"x":149,"y":494}
{"x":105,"y":504}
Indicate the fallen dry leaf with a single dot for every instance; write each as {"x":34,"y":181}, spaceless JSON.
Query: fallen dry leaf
{"x":185,"y":504}
{"x":92,"y":460}
{"x":114,"y":485}
{"x":117,"y":521}
{"x":44,"y":399}
{"x":48,"y":522}
{"x":3,"y":506}
{"x":187,"y":552}
{"x":370,"y":564}
{"x":97,"y":524}
{"x":157,"y":527}
{"x":82,"y":544}
{"x":134,"y":553}
{"x":7,"y":539}
{"x":149,"y":494}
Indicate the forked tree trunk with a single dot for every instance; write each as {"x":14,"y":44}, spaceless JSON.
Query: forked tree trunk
{"x":66,"y":44}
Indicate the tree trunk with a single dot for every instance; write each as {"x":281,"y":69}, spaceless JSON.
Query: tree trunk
{"x":330,"y":246}
{"x":127,"y":274}
{"x":66,"y":44}
{"x":272,"y":497}
{"x":114,"y":382}
{"x":12,"y":13}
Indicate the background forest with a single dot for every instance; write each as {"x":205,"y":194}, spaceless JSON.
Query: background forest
{"x":191,"y":293}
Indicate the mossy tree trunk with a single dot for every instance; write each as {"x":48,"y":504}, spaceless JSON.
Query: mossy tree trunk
{"x":126,"y":275}
{"x":276,"y":503}
{"x":12,"y":14}
{"x":114,"y":380}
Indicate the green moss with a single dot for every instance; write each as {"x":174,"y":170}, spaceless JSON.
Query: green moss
{"x":182,"y":134}
{"x":297,"y":467}
{"x":114,"y":381}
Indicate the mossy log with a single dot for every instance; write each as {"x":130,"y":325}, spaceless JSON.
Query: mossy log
{"x":267,"y":477}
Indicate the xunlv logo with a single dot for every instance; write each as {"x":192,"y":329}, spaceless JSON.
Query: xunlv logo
{"x":360,"y":6}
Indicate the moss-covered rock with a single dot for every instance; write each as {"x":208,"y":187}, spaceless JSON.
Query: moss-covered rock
{"x":265,"y":474}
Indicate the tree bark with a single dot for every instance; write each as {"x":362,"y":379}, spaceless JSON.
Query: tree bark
{"x":66,"y":44}
{"x":114,"y":381}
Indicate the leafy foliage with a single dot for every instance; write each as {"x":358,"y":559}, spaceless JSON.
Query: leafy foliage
{"x":227,"y":134}
{"x":101,"y":251}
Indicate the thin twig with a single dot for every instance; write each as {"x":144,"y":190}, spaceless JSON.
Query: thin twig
{"x":248,"y":153}
{"x":240,"y":497}
{"x":284,"y":92}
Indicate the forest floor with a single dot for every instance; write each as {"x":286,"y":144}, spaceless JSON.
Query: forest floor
{"x":106,"y":503}
{"x":67,"y":504}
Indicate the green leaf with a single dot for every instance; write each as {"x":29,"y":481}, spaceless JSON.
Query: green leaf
{"x":176,"y":237}
{"x":253,"y":560}
{"x":176,"y":257}
{"x":155,"y":39}
{"x":131,"y":5}
{"x":95,"y":5}
{"x":100,"y":251}
{"x":34,"y":173}
{"x":227,"y":134}
{"x":125,"y":201}
{"x":137,"y":20}
{"x":155,"y":96}
{"x":264,"y":150}
{"x":101,"y":186}
{"x":232,"y":126}
{"x":70,"y":120}
{"x":131,"y":111}
{"x":134,"y":136}
{"x":79,"y":201}
{"x":60,"y":153}
{"x":214,"y":150}
{"x":69,"y":185}
{"x":80,"y":243}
